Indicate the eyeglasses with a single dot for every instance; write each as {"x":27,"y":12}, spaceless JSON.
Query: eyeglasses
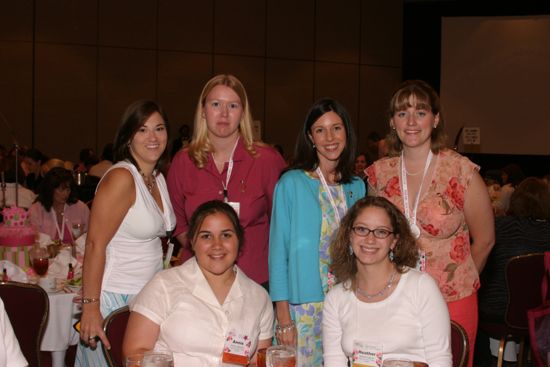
{"x":379,"y":233}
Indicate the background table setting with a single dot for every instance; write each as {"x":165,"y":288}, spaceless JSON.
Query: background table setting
{"x":48,"y":266}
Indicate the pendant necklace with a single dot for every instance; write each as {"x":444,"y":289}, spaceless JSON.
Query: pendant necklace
{"x":384,"y":290}
{"x":149,"y":183}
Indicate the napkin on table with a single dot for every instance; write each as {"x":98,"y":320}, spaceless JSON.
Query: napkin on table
{"x":15,"y":273}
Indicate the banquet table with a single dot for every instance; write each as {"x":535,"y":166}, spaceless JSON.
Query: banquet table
{"x":60,"y":334}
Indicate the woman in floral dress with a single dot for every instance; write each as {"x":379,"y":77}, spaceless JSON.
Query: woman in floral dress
{"x":310,"y":198}
{"x":443,"y":197}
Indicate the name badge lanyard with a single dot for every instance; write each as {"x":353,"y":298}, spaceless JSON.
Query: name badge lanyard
{"x":229,"y":171}
{"x":329,"y":194}
{"x":60,"y":231}
{"x":412,"y":216}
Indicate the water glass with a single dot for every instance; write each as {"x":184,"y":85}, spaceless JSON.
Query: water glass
{"x":281,"y":356}
{"x":150,"y":359}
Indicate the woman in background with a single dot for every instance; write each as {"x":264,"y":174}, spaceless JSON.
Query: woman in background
{"x":442,"y":196}
{"x":131,"y":211}
{"x":201,"y":310}
{"x":380,"y":304}
{"x":310,"y":198}
{"x":222,"y":162}
{"x":57,"y":208}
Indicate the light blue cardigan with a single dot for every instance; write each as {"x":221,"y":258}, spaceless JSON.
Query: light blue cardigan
{"x":294,"y":236}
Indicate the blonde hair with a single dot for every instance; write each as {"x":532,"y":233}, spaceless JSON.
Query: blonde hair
{"x":200,"y":145}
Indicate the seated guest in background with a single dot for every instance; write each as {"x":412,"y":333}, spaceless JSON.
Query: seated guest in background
{"x":87,"y":159}
{"x":57,"y":209}
{"x":512,"y":175}
{"x":525,"y":229}
{"x":493,"y":181}
{"x":99,"y":169}
{"x":32,"y":168}
{"x":10,"y":353}
{"x":192,"y":310}
{"x":52,"y":163}
{"x":381,"y":304}
{"x":7,"y":197}
{"x":360,"y":165}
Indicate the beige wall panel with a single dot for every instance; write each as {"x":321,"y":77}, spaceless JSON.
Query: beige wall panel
{"x":289,"y":92}
{"x":181,"y":77}
{"x":128,"y":23}
{"x":250,"y":71}
{"x":290,"y":29}
{"x":67,"y":21}
{"x":125,"y":75}
{"x":339,"y":81}
{"x":16,"y":92}
{"x":338,"y":29}
{"x":16,"y":20}
{"x":381,"y":32}
{"x":186,"y":25}
{"x":239,"y":27}
{"x":65,"y":100}
{"x":377,"y":86}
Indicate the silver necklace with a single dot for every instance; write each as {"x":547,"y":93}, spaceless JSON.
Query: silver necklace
{"x":384,"y":290}
{"x":151,"y":182}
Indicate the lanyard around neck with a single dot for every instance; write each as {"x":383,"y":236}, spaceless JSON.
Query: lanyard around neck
{"x":329,"y":194}
{"x":60,"y":231}
{"x":412,"y":216}
{"x":229,"y":171}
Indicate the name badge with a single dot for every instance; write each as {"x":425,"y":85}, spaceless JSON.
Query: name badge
{"x":421,"y":264}
{"x":366,"y":354}
{"x":236,"y":349}
{"x":236,"y":206}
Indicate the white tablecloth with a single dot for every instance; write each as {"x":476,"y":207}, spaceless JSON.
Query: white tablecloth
{"x":60,"y":333}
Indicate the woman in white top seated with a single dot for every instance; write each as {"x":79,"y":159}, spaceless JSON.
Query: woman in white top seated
{"x":382,"y":308}
{"x":206,"y":311}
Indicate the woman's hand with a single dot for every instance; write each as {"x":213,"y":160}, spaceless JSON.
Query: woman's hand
{"x":285,"y":331}
{"x":91,"y":326}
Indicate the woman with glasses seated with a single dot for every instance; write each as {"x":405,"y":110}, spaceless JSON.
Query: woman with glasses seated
{"x":57,"y":208}
{"x":382,"y":308}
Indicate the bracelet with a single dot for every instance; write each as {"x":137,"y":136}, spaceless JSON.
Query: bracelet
{"x":89,"y":300}
{"x":285,"y":328}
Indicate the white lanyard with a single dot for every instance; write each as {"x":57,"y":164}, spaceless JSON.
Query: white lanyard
{"x":229,"y":170}
{"x":60,"y":231}
{"x":329,"y":194}
{"x":412,"y":217}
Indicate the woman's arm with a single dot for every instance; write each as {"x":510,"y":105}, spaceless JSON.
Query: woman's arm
{"x":333,"y":354}
{"x":435,"y":323}
{"x":478,"y":213}
{"x":141,"y":335}
{"x":114,"y":197}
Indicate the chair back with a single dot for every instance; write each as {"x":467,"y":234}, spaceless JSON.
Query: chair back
{"x":115,"y":327}
{"x":27,"y":306}
{"x":459,"y":345}
{"x":523,"y":278}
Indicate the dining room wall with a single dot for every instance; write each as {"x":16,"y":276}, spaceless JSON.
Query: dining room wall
{"x":69,"y":68}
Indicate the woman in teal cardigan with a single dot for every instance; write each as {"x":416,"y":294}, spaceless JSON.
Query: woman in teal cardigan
{"x":309,"y":200}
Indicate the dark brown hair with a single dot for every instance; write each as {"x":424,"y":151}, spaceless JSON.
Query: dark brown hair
{"x":530,"y":199}
{"x":56,"y":177}
{"x":344,"y":265}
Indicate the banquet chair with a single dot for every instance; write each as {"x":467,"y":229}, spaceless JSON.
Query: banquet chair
{"x":523,"y":275}
{"x":459,"y":345}
{"x":114,"y":326}
{"x":27,"y":306}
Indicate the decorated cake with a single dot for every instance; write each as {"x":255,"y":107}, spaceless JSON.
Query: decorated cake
{"x":17,"y":236}
{"x":16,"y":229}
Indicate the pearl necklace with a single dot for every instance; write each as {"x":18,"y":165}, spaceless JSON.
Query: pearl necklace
{"x":151,"y":182}
{"x":384,"y":290}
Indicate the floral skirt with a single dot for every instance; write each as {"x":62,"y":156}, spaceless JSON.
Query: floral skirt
{"x":308,"y":318}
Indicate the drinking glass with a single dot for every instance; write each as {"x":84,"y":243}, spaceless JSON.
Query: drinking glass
{"x":281,"y":356}
{"x":157,"y":359}
{"x":40,"y":260}
{"x":397,"y":362}
{"x":77,"y":230}
{"x":260,"y":357}
{"x":133,"y":361}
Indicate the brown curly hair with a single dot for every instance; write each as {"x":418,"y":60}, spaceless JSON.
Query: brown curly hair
{"x":426,"y":97}
{"x":344,"y":264}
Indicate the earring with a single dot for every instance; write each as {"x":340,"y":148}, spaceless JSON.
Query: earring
{"x":391,"y":256}
{"x":435,"y":126}
{"x":313,"y":144}
{"x":351,"y":250}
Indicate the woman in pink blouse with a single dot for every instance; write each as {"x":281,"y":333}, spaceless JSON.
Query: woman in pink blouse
{"x":223,"y":162}
{"x":57,"y":209}
{"x":442,"y":196}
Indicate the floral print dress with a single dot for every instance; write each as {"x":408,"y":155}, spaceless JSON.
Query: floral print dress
{"x":445,"y":238}
{"x":308,"y":316}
